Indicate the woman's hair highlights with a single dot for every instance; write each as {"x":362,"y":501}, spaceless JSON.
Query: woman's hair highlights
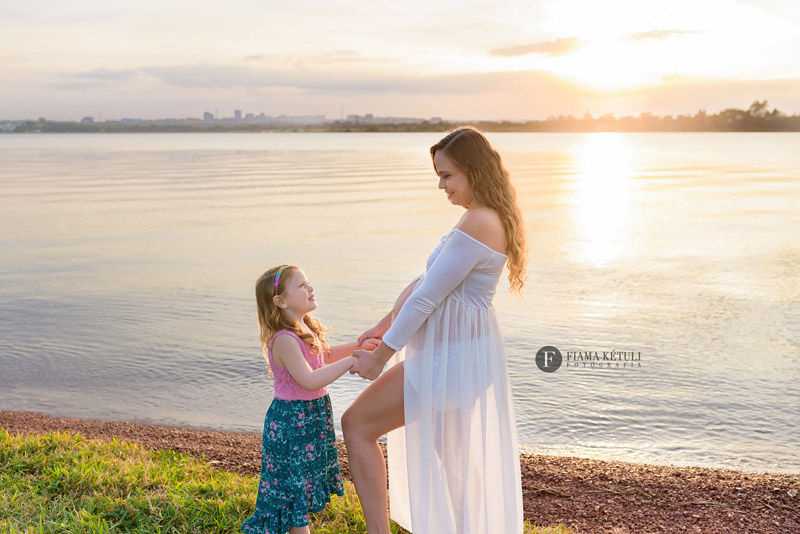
{"x":270,"y":318}
{"x":491,"y":185}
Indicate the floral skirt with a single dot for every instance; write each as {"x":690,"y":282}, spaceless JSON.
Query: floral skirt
{"x":299,"y":465}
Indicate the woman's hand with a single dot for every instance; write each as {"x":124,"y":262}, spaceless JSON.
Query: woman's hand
{"x":369,"y":364}
{"x":376,"y":332}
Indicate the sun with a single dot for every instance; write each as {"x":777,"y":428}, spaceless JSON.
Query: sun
{"x":607,"y":66}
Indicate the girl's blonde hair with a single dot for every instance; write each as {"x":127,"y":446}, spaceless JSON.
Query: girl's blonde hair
{"x":270,"y":318}
{"x":491,"y":185}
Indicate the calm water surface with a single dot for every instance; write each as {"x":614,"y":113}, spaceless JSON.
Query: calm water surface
{"x":127,"y":265}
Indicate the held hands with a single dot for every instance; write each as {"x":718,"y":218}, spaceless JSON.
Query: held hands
{"x":373,"y":333}
{"x":369,"y":343}
{"x":369,"y":364}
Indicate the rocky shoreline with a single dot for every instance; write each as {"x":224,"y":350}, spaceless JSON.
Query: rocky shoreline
{"x":589,"y":496}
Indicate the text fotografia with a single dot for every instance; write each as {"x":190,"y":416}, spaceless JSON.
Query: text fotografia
{"x":549,"y":359}
{"x":613,"y":358}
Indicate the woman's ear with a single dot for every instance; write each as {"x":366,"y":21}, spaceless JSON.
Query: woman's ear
{"x":278,"y":301}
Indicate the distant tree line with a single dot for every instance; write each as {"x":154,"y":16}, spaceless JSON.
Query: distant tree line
{"x":757,"y":118}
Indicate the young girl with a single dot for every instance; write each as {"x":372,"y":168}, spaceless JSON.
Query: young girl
{"x":299,"y":460}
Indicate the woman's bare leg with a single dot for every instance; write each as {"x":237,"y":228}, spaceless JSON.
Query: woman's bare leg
{"x":300,"y":530}
{"x":378,"y":410}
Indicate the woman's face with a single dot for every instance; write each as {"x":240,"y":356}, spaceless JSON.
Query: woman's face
{"x":452,"y":179}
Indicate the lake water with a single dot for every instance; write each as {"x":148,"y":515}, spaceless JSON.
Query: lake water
{"x":127,"y":267}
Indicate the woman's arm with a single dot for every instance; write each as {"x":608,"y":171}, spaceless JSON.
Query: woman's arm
{"x":460,"y":254}
{"x":286,"y":351}
{"x":458,"y":257}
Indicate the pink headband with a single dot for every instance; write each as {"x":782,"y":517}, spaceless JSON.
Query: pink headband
{"x":278,"y":277}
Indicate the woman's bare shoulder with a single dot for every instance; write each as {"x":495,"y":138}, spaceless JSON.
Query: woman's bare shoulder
{"x":485,"y":225}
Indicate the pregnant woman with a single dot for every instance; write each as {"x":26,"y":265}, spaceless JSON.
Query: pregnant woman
{"x":445,"y":399}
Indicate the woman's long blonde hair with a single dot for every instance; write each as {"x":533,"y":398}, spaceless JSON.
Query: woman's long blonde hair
{"x":270,"y":318}
{"x":491,"y":185}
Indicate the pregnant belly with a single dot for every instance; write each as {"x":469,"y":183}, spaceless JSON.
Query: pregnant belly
{"x":398,"y":304}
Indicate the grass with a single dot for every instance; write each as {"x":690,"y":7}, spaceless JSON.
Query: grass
{"x":65,"y":483}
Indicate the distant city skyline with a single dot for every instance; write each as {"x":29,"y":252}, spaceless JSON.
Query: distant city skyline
{"x":518,"y":60}
{"x":245,"y":117}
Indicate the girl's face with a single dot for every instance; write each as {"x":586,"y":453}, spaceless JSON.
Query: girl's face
{"x":452,"y":179}
{"x":298,"y":296}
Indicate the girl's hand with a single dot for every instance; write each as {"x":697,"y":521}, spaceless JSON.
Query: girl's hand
{"x":376,"y":332}
{"x":370,"y":343}
{"x":370,"y":364}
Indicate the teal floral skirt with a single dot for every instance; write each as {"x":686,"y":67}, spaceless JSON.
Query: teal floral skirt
{"x":299,"y":466}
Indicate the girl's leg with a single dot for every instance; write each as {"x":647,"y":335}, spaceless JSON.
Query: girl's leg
{"x":300,"y":530}
{"x":375,"y":412}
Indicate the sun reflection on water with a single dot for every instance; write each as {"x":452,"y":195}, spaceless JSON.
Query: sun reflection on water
{"x":600,"y":199}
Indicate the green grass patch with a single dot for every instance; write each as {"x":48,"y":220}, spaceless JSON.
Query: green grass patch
{"x":65,"y":483}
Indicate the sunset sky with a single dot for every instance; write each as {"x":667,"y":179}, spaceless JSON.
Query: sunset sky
{"x":480,"y":60}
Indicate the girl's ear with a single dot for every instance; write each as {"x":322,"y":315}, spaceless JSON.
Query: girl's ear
{"x":278,"y":301}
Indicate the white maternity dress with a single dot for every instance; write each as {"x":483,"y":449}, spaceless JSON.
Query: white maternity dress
{"x":454,"y":468}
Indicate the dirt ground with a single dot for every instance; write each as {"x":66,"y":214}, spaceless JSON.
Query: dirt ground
{"x":590,"y":496}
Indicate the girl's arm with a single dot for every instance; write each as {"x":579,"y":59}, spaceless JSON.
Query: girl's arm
{"x":344,"y":350}
{"x":338,"y":352}
{"x":286,"y":351}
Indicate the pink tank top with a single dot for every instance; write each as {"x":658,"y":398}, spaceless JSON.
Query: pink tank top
{"x":286,"y":387}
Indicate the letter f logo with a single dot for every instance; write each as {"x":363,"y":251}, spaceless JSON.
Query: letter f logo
{"x":548,"y":359}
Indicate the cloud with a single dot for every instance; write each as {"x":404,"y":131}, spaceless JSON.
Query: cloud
{"x":516,"y":94}
{"x":659,"y":34}
{"x":338,"y":82}
{"x":75,"y":86}
{"x":92,"y":79}
{"x":557,"y":47}
{"x":102,"y":74}
{"x":503,"y":95}
{"x":326,"y":58}
{"x":354,"y":82}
